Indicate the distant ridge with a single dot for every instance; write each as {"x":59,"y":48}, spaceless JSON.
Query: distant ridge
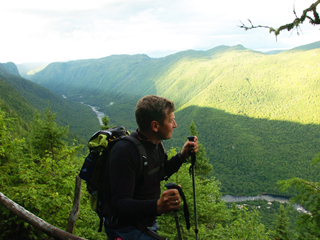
{"x":309,"y":46}
{"x":27,"y":69}
{"x":306,"y":47}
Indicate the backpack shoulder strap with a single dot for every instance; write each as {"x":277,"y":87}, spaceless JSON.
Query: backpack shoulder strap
{"x":141,"y":151}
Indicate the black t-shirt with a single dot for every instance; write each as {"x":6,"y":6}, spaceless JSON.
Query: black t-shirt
{"x":134,"y":199}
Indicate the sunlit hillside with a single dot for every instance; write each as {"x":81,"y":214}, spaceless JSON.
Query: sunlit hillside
{"x":257,"y":114}
{"x":276,"y":87}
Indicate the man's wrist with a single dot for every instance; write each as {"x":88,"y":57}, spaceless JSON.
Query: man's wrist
{"x":182,"y":158}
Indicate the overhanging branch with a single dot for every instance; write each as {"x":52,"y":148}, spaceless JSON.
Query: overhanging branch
{"x":315,"y":20}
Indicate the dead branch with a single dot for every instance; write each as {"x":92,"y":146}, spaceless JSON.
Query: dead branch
{"x":76,"y":206}
{"x":294,"y":24}
{"x":36,"y":221}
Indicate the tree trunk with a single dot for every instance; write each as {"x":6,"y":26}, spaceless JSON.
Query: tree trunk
{"x":76,"y":206}
{"x":36,"y":221}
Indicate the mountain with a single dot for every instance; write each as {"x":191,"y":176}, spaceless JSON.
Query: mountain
{"x":308,"y":46}
{"x":257,"y":115}
{"x":11,"y":68}
{"x":15,"y":106}
{"x":192,"y":77}
{"x":25,"y":98}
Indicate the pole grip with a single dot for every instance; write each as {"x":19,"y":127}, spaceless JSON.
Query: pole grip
{"x":193,"y":155}
{"x":185,"y":206}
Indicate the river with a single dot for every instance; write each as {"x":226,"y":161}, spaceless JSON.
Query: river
{"x":267,"y":197}
{"x":99,"y":114}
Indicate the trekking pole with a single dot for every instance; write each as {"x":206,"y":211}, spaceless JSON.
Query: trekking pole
{"x":175,"y":213}
{"x":193,"y":161}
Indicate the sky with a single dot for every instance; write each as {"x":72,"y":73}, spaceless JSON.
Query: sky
{"x":65,"y":30}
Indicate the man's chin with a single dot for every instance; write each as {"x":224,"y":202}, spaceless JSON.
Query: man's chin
{"x":169,"y":136}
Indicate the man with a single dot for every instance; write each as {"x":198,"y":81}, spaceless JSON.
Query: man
{"x":135,"y":202}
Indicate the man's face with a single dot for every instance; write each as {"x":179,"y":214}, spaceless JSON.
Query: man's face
{"x":166,"y":129}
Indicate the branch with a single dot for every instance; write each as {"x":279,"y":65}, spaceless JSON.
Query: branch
{"x":35,"y":221}
{"x":252,"y":26}
{"x":76,"y":206}
{"x":296,"y":22}
{"x":298,"y":183}
{"x":313,"y":186}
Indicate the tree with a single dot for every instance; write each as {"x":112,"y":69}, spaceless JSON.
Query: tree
{"x":282,"y":225}
{"x":8,"y":144}
{"x":42,"y":183}
{"x":308,"y":196}
{"x":202,"y":166}
{"x":295,"y":24}
{"x":47,"y":135}
{"x":105,"y":122}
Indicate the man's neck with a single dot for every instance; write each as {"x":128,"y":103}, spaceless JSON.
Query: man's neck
{"x":151,"y":136}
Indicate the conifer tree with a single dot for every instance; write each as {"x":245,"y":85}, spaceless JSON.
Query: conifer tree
{"x":42,"y":183}
{"x":282,"y":225}
{"x":47,"y":135}
{"x":8,"y":144}
{"x":202,"y":166}
{"x":309,"y":197}
{"x":105,"y":122}
{"x":234,"y":212}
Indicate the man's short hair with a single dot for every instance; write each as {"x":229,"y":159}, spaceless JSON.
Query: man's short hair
{"x":152,"y":108}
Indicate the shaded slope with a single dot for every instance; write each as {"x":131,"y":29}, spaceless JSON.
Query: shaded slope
{"x":250,"y":155}
{"x":20,"y":94}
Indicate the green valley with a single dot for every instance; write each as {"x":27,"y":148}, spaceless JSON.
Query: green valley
{"x":24,"y":99}
{"x":257,"y":114}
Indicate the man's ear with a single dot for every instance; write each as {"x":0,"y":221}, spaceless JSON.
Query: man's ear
{"x":154,"y":126}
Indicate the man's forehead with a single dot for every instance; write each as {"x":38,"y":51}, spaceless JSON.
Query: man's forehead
{"x":171,"y":115}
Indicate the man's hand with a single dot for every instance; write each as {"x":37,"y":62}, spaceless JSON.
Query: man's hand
{"x":190,"y":147}
{"x":169,"y":201}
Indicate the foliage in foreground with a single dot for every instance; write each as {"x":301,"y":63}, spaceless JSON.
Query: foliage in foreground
{"x":308,"y":195}
{"x":42,"y":181}
{"x":214,"y":219}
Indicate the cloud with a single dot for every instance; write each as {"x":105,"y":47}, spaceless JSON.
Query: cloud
{"x":63,"y":30}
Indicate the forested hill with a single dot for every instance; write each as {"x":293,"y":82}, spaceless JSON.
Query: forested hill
{"x":22,"y":99}
{"x":234,"y":79}
{"x":11,"y":68}
{"x":257,"y":114}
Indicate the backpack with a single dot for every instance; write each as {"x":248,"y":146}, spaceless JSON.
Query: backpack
{"x":95,"y":167}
